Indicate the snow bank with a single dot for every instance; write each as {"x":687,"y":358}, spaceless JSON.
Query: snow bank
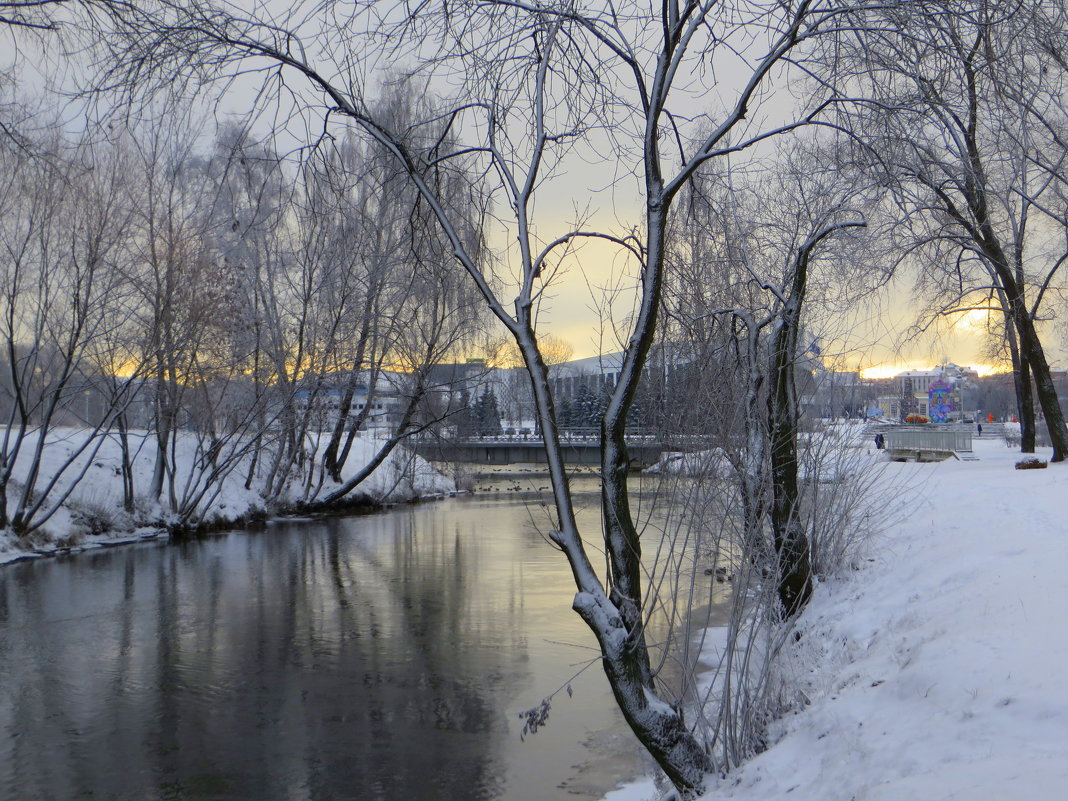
{"x":935,"y":672}
{"x":821,"y":456}
{"x":93,"y":513}
{"x":709,"y":463}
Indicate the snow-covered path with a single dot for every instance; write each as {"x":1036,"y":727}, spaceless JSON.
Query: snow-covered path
{"x":940,"y":670}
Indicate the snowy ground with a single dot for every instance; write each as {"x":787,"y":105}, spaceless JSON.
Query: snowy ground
{"x":95,"y":504}
{"x":936,"y":672}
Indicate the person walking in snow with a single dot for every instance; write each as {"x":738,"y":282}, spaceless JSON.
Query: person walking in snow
{"x":980,"y":427}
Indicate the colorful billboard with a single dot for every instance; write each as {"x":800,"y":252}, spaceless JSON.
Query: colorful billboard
{"x":940,"y":401}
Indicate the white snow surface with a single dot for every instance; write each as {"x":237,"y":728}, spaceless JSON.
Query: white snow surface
{"x":402,"y":476}
{"x":936,"y":672}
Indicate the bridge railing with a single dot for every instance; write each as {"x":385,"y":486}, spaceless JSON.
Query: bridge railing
{"x":581,"y":435}
{"x":920,"y":439}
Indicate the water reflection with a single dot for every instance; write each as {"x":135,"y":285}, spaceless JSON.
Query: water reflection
{"x":384,"y":656}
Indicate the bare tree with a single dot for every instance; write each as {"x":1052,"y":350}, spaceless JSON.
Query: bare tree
{"x":771,"y":249}
{"x":374,"y":207}
{"x":180,"y":292}
{"x":763,"y":263}
{"x":61,"y":236}
{"x":538,"y":81}
{"x":963,"y":165}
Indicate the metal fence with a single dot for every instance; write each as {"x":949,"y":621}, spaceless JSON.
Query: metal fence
{"x":921,"y":439}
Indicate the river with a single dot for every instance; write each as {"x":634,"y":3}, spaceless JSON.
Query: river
{"x":382,"y":656}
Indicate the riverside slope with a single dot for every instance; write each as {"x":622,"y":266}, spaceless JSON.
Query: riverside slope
{"x":936,"y":672}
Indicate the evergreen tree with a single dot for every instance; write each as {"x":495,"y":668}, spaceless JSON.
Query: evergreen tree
{"x":465,"y":418}
{"x":487,"y":415}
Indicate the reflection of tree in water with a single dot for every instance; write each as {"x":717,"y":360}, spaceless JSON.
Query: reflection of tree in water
{"x":341,"y":670}
{"x":286,"y":664}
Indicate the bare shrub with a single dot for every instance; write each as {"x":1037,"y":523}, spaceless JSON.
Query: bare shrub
{"x":1032,"y":463}
{"x":850,"y":495}
{"x":714,"y":605}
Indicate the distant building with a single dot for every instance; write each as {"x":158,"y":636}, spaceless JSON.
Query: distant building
{"x":597,"y":374}
{"x":581,"y":388}
{"x":380,"y":409}
{"x":453,"y":381}
{"x":952,"y":390}
{"x":835,"y":393}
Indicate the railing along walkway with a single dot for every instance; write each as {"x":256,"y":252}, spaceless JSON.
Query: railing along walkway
{"x":927,"y":444}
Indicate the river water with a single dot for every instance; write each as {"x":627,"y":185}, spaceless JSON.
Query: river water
{"x":383,"y":656}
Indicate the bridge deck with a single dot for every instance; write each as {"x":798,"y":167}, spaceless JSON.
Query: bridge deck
{"x":530,"y":450}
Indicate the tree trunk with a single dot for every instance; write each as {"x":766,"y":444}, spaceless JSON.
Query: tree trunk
{"x":403,"y":431}
{"x":791,"y":541}
{"x":163,"y":433}
{"x":331,"y":461}
{"x":1032,"y":356}
{"x":792,"y":545}
{"x":1021,"y":384}
{"x":615,"y":618}
{"x":357,"y":423}
{"x":1025,"y":405}
{"x":128,"y":490}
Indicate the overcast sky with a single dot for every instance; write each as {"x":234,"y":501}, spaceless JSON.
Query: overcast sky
{"x":593,"y":285}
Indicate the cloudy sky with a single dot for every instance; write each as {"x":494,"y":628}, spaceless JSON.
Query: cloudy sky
{"x":596,"y":286}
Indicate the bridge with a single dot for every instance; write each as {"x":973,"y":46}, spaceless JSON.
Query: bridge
{"x":528,"y":449}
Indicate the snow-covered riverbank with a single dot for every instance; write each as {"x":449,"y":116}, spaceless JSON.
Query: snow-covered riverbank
{"x":936,"y":672}
{"x":92,"y":514}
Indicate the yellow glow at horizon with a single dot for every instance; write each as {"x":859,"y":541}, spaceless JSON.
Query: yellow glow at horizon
{"x":127,"y":369}
{"x":891,"y":370}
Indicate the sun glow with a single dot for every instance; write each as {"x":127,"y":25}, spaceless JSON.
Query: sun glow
{"x":974,"y":321}
{"x":890,"y":370}
{"x":990,"y":369}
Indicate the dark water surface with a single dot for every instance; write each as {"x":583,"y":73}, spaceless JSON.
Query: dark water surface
{"x":375,"y":657}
